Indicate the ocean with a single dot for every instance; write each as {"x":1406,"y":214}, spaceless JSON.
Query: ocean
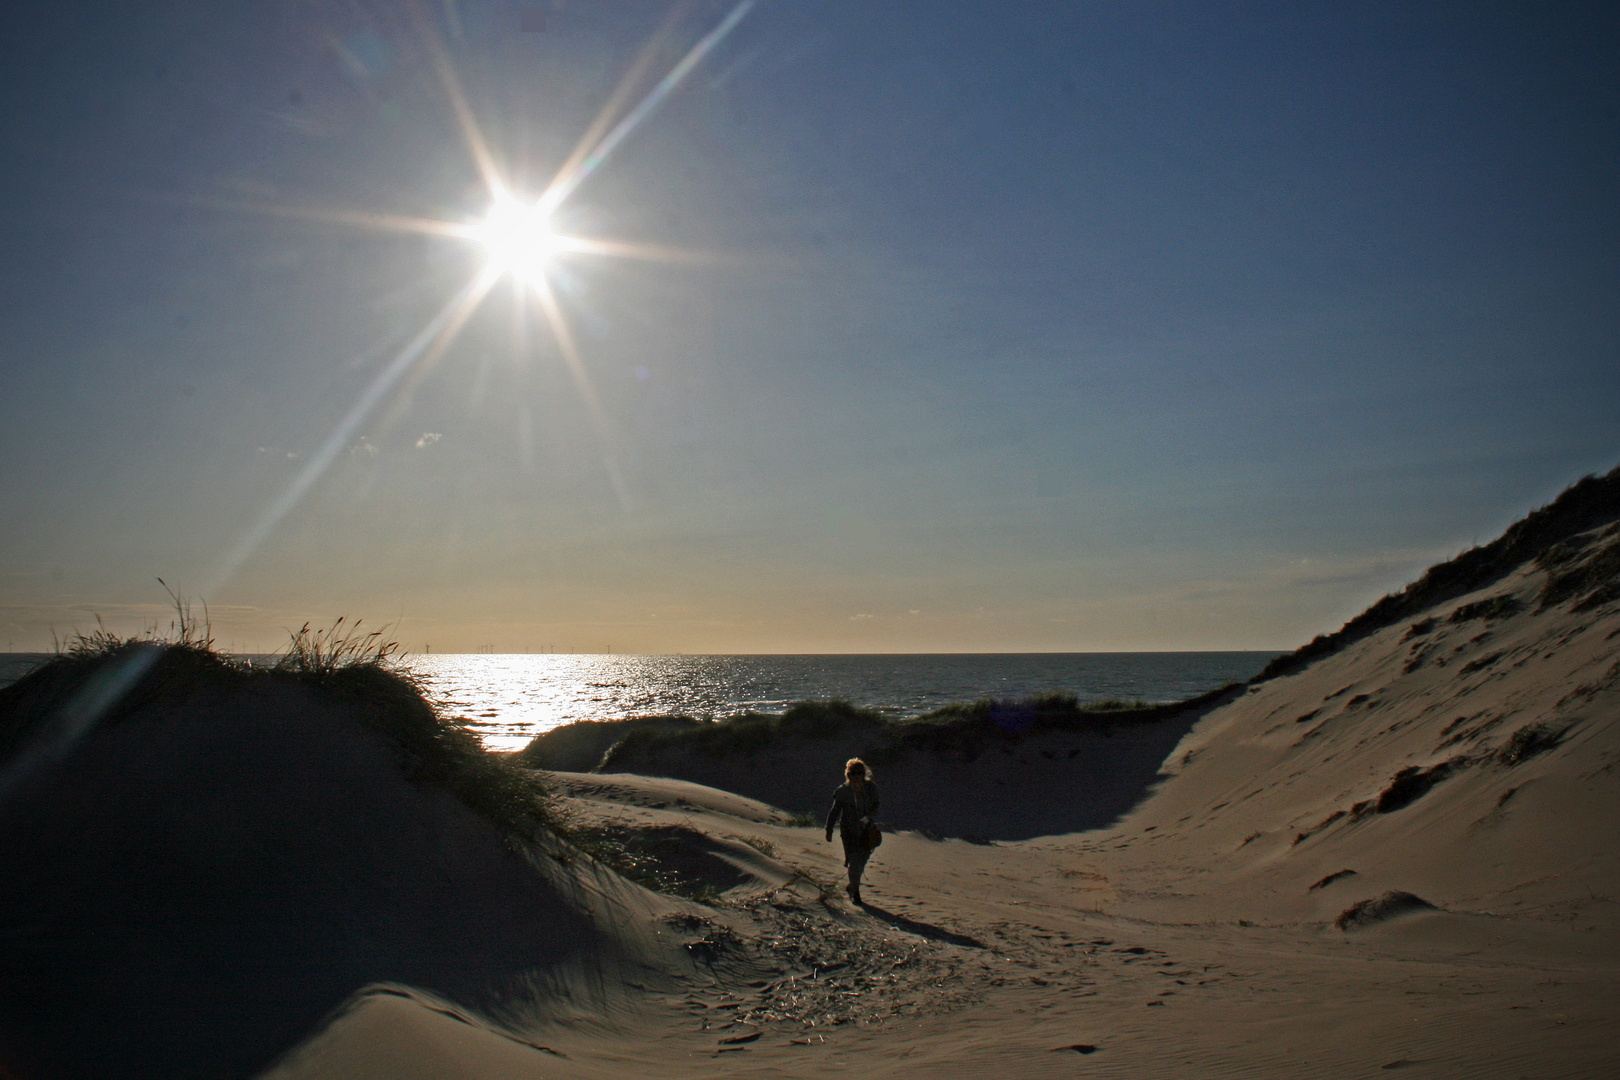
{"x":507,"y":699}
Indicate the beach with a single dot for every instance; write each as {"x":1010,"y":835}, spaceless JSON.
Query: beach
{"x":484,"y":482}
{"x":1393,"y":851}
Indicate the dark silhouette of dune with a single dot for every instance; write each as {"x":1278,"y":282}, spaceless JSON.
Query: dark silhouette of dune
{"x":227,"y":856}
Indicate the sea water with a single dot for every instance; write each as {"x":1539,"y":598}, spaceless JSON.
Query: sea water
{"x":508,"y":699}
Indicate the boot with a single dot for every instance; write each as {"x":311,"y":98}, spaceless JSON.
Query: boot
{"x":854,"y":892}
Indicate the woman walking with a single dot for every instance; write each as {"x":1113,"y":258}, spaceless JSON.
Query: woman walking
{"x":854,"y":804}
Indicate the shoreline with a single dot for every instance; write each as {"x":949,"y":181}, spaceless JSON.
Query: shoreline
{"x":1398,"y":854}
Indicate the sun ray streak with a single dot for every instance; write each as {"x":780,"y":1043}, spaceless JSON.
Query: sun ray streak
{"x":432,"y":339}
{"x":619,"y":249}
{"x":570,"y":352}
{"x":477,"y":146}
{"x":582,"y":380}
{"x":436,"y":335}
{"x":359,"y":219}
{"x":565,"y":184}
{"x":621,"y":94}
{"x":78,"y":716}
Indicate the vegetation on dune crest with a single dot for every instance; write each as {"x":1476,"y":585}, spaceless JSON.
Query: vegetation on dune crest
{"x":356,"y":670}
{"x":957,"y":731}
{"x":1041,"y":710}
{"x":751,"y":732}
{"x":100,"y":679}
{"x":1589,"y":572}
{"x":975,"y":724}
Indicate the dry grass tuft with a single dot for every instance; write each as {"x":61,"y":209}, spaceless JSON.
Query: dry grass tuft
{"x":1587,"y":504}
{"x":321,"y":652}
{"x":100,"y":679}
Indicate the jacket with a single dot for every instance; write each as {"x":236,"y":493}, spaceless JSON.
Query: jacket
{"x":852,"y":809}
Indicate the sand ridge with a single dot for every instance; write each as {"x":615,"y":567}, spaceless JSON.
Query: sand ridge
{"x":1014,"y":959}
{"x":1199,"y":933}
{"x":258,"y":882}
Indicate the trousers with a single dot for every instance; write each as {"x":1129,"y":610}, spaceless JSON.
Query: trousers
{"x":855,"y":855}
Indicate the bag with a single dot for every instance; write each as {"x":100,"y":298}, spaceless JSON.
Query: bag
{"x":872,"y":836}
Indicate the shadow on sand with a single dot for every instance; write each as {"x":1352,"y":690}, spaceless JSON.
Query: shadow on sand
{"x":195,"y":889}
{"x":922,"y":929}
{"x":963,"y":780}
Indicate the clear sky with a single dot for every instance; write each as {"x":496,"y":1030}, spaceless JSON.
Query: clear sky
{"x":977,"y":326}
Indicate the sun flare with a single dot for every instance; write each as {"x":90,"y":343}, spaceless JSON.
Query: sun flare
{"x":517,"y":239}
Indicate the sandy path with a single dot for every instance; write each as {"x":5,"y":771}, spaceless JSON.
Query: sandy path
{"x":1470,"y":757}
{"x":1039,"y":959}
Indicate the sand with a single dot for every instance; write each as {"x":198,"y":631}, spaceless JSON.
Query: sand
{"x":1196,"y":935}
{"x":1195,"y":931}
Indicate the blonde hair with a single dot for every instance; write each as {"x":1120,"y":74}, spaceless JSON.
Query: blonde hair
{"x":855,"y":767}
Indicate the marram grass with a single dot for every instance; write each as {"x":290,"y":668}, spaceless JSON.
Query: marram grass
{"x":358,"y":669}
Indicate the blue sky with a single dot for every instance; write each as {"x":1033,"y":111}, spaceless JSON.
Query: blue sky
{"x":1036,"y":326}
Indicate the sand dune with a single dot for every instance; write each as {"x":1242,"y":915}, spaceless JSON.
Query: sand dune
{"x":1397,"y":854}
{"x":198,"y":885}
{"x":1198,"y":934}
{"x":1470,"y":761}
{"x":1000,"y":785}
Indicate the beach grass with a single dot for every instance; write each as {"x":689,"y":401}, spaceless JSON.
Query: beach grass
{"x":640,"y":855}
{"x":1587,"y":573}
{"x":354,"y":668}
{"x":960,"y":730}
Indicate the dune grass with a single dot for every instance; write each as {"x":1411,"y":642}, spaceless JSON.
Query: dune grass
{"x":1527,"y":742}
{"x":751,"y":732}
{"x":354,"y":668}
{"x":1042,"y":710}
{"x":650,"y":857}
{"x":1588,"y":574}
{"x":579,"y":747}
{"x":1496,"y":607}
{"x":1588,"y":503}
{"x":957,"y":731}
{"x":360,"y":672}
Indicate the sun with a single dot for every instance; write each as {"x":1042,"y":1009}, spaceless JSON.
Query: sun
{"x":517,"y":238}
{"x":519,"y":241}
